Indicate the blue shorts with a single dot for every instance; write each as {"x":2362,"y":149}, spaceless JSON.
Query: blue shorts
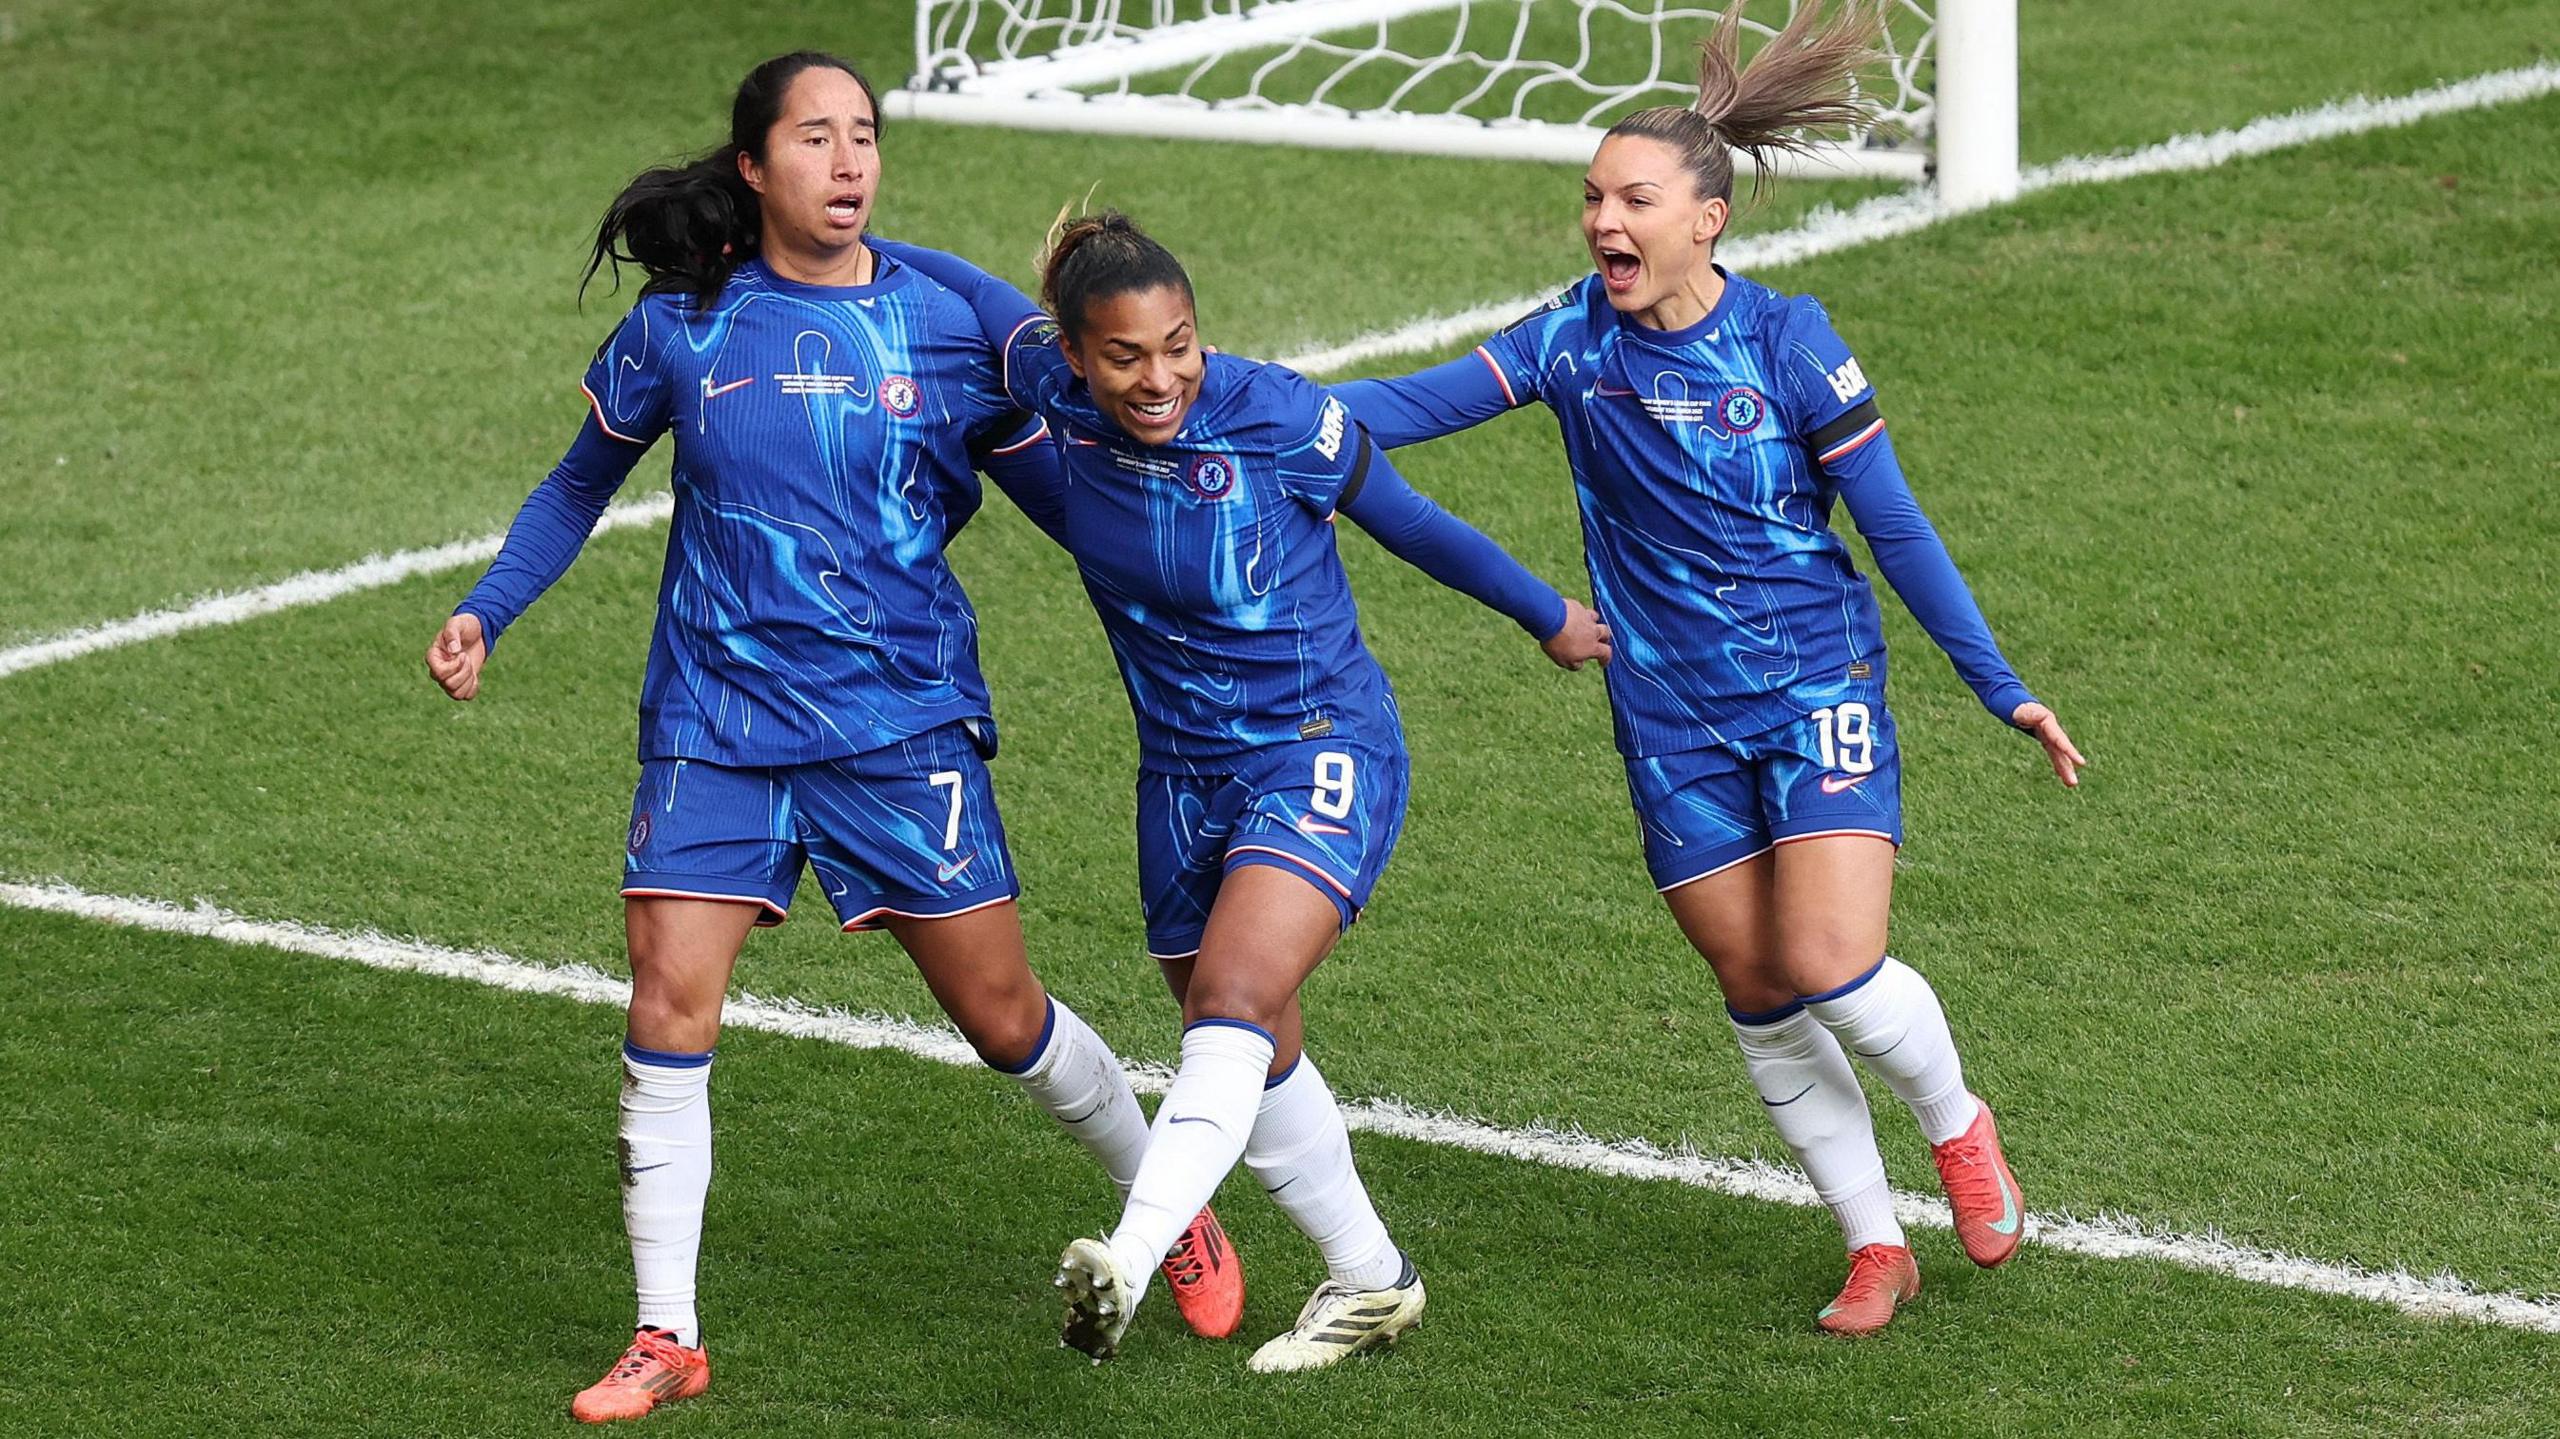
{"x":1327,"y":810}
{"x":909,"y":829}
{"x":1837,"y":770}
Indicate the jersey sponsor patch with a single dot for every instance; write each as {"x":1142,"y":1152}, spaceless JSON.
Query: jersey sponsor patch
{"x":1848,"y":381}
{"x":1330,"y":428}
{"x":900,"y":397}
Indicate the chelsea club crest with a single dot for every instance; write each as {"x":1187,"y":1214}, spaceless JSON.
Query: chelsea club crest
{"x":898,"y":395}
{"x":1211,"y":477}
{"x":1741,"y":410}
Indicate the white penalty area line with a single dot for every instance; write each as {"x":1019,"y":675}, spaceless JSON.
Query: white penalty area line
{"x":310,"y":588}
{"x":1823,"y":232}
{"x":2102,"y":1237}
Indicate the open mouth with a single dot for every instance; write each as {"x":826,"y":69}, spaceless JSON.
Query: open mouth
{"x":844,"y":210}
{"x":1157,"y":413}
{"x":1618,"y":269}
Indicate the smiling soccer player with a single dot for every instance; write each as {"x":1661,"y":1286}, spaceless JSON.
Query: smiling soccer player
{"x":1198,"y":499}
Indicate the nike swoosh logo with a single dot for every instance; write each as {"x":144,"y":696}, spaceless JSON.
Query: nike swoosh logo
{"x":636,"y":1171}
{"x":949,"y":872}
{"x":1842,"y":784}
{"x":1609,"y":394}
{"x":1310,"y":825}
{"x":2009,"y":1215}
{"x":711,"y":393}
{"x":1790,"y":1099}
{"x":1190,"y":1119}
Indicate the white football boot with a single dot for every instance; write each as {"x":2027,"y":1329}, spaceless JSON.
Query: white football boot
{"x":1339,"y":1321}
{"x":1100,"y":1299}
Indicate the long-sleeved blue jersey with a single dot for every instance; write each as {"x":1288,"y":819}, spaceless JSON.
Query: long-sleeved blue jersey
{"x":1707,"y":461}
{"x":1211,"y":559}
{"x":824,"y":441}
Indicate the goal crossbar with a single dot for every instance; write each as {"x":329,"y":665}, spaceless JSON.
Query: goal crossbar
{"x":1069,"y":65}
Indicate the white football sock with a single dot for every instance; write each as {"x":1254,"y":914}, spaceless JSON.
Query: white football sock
{"x":1811,"y":1094}
{"x":1200,"y":1132}
{"x":1076,"y":1077}
{"x":1889,"y":1018}
{"x":1301,"y":1151}
{"x":666,"y":1171}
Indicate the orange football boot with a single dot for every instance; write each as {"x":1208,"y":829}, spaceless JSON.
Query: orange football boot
{"x":653,"y":1371}
{"x":1881,"y":1278}
{"x":1206,"y":1278}
{"x":1990,"y":1214}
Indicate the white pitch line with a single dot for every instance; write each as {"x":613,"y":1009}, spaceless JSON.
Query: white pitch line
{"x":2104,"y":1237}
{"x":309,"y":588}
{"x":1824,"y":231}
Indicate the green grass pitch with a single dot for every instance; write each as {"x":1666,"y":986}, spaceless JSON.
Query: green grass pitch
{"x":2253,"y":471}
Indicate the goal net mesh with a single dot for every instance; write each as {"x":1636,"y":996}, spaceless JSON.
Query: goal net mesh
{"x":1577,"y":64}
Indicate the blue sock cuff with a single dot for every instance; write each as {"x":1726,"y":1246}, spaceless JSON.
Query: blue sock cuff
{"x":665,"y":1058}
{"x":1852,"y":986}
{"x":1245,"y":1025}
{"x":1788,"y":1010}
{"x":1039,"y":1047}
{"x":1276,"y":1080}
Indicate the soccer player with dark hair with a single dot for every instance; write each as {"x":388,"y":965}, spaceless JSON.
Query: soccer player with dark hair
{"x":1198,"y":499}
{"x":1712,"y":424}
{"x":813,"y":694}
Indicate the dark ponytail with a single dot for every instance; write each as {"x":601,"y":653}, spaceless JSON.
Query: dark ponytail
{"x":1094,"y":257}
{"x":688,"y":226}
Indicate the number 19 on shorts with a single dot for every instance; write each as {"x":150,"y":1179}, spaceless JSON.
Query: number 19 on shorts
{"x":1846,"y":734}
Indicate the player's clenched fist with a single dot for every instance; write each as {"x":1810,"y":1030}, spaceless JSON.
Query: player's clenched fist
{"x":454,"y":660}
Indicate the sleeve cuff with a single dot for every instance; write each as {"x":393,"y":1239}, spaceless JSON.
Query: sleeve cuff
{"x":2003,"y":701}
{"x":1553,"y":627}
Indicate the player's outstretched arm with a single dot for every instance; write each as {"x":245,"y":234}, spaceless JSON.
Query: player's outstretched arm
{"x":1427,"y":404}
{"x":1458,"y":555}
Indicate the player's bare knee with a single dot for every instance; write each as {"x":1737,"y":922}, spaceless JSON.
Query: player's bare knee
{"x":1006,"y":1029}
{"x":1232,"y":997}
{"x":1824,"y":963}
{"x":1755,"y":989}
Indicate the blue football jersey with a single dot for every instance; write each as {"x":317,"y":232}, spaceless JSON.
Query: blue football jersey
{"x":822,"y":461}
{"x":1704,"y":463}
{"x":1211,"y":559}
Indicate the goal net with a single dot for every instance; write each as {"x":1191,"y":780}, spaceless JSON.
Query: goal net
{"x":1530,"y":79}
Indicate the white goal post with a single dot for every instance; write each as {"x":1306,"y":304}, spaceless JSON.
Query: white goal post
{"x":1523,"y":79}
